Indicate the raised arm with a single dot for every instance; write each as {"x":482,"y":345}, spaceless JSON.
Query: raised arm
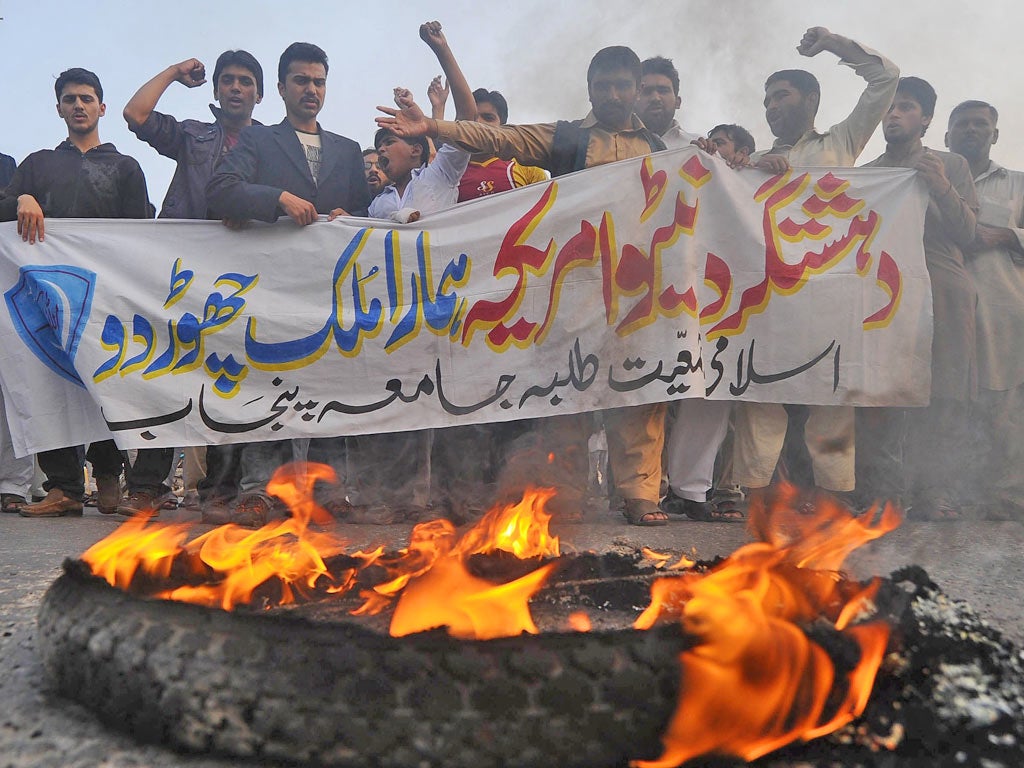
{"x":191,"y":73}
{"x":882,"y":77}
{"x":462,"y":95}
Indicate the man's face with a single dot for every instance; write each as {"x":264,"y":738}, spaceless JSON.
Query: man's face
{"x":789,"y":112}
{"x":905,"y":121}
{"x":613,"y":96}
{"x":487,"y":113}
{"x":972,"y":132}
{"x":304,"y":89}
{"x":236,"y":92}
{"x":725,"y":146}
{"x":375,"y":178}
{"x":657,"y":103}
{"x":80,"y":108}
{"x":397,"y":157}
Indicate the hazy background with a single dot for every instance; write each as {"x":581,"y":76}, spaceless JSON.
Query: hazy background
{"x":535,"y":51}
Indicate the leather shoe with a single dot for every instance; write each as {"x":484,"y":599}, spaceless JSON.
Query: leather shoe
{"x":56,"y":504}
{"x":143,"y":504}
{"x":108,"y":493}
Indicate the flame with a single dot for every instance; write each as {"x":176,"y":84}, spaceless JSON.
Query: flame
{"x":579,"y":621}
{"x":754,"y":681}
{"x":234,"y":561}
{"x":436,"y":589}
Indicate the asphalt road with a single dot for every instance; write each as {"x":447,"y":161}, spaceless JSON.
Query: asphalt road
{"x":980,"y":562}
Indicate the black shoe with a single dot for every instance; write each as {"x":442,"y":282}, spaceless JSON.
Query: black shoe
{"x":702,"y":511}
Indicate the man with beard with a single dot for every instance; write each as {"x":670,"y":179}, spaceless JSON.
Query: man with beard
{"x":937,"y":434}
{"x":996,"y":262}
{"x":196,"y":146}
{"x":81,"y":178}
{"x":610,"y":132}
{"x":791,"y":103}
{"x":299,"y":170}
{"x":375,"y":178}
{"x":659,"y":100}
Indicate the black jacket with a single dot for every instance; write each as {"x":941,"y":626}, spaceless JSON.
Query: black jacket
{"x":196,"y":147}
{"x":99,"y":184}
{"x":269,"y":159}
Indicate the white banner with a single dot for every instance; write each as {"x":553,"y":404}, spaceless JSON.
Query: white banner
{"x":646,"y":280}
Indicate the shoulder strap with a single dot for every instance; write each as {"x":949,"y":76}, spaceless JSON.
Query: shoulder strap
{"x":569,"y":148}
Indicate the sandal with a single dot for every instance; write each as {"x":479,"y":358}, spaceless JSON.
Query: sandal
{"x":643,"y":512}
{"x":11,"y":503}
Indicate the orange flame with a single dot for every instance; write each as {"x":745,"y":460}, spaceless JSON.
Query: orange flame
{"x":755,"y":682}
{"x":436,"y":589}
{"x":236,"y":560}
{"x":579,"y":621}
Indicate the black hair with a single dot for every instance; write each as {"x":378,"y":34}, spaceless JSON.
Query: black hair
{"x":300,"y":52}
{"x":659,"y":65}
{"x":920,"y":91}
{"x":78,"y":76}
{"x":369,"y":151}
{"x":614,"y":57}
{"x":242,"y":59}
{"x":414,"y":141}
{"x":494,"y":98}
{"x":974,"y":104}
{"x":738,"y":135}
{"x":800,"y":79}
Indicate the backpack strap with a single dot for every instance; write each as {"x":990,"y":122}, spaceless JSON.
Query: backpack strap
{"x":569,"y":148}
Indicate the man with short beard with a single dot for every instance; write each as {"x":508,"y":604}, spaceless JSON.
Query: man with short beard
{"x":791,"y":103}
{"x":937,"y":434}
{"x":375,"y":178}
{"x":611,"y":132}
{"x":996,"y":262}
{"x":659,"y":100}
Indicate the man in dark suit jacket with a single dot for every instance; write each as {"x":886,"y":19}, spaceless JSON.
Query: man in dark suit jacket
{"x":295,"y":168}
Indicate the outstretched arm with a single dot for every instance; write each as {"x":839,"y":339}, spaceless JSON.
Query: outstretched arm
{"x":465,"y":106}
{"x":191,"y":73}
{"x":438,"y":95}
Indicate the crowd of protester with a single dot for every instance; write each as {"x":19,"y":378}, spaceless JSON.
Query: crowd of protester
{"x":700,"y":459}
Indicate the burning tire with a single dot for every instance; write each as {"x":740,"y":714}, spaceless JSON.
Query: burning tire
{"x":266,"y":686}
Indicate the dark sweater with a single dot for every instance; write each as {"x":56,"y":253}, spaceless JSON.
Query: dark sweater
{"x":99,"y":184}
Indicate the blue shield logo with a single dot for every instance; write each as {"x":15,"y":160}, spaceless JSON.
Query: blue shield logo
{"x":49,"y":307}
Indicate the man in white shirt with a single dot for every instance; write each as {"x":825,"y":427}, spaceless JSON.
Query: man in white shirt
{"x":996,"y":262}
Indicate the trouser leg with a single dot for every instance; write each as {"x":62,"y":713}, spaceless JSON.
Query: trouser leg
{"x":150,"y":470}
{"x":15,"y":473}
{"x":760,"y":430}
{"x":880,"y":460}
{"x":636,"y":436}
{"x":222,"y":472}
{"x":195,"y":466}
{"x":831,"y":442}
{"x":106,"y":459}
{"x":63,"y":470}
{"x":258,"y":462}
{"x":699,"y":428}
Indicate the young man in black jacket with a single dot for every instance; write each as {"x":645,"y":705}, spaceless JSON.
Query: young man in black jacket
{"x":81,"y":178}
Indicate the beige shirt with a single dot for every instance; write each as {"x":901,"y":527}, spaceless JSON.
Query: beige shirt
{"x":949,"y":226}
{"x":676,"y":137}
{"x":532,"y":144}
{"x":999,"y":276}
{"x":842,"y":144}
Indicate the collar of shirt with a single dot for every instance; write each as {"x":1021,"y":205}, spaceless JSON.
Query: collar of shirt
{"x":808,"y":135}
{"x":993,"y":169}
{"x":636,"y":124}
